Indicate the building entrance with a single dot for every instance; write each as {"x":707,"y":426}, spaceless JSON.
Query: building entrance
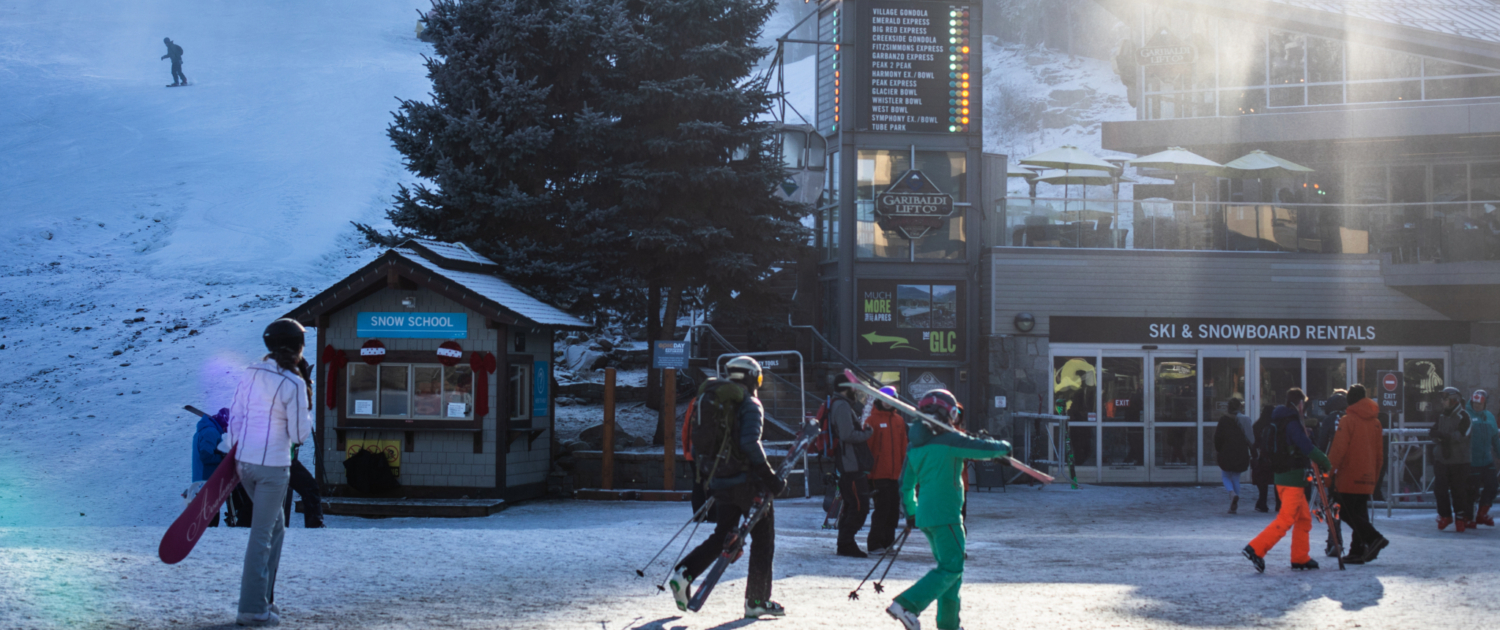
{"x":1149,"y":416}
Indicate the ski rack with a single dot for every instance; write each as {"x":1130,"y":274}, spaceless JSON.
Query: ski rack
{"x":801,"y":387}
{"x":1060,"y":451}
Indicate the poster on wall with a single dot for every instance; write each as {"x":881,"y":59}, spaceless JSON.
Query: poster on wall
{"x":903,"y":319}
{"x":541,"y":380}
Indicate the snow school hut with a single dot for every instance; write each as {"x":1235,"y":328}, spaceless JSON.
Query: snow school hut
{"x":426,"y":357}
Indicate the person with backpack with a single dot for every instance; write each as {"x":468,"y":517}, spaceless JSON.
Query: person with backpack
{"x":1454,"y":451}
{"x":1289,"y":450}
{"x":1355,"y":457}
{"x":175,"y":53}
{"x":728,"y":454}
{"x":271,"y":412}
{"x":1233,"y":449}
{"x":888,"y":446}
{"x":1260,"y":463}
{"x":1485,"y":440}
{"x":854,"y":463}
{"x":932,"y":490}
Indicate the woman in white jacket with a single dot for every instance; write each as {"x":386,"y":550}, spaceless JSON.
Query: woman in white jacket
{"x":271,"y":413}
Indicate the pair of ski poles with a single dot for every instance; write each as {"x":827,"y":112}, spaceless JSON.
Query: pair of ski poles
{"x":695,"y":521}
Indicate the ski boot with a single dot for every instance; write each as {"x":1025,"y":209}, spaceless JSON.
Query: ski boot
{"x":1356,"y":557}
{"x":906,"y":617}
{"x":1234,"y":505}
{"x":1460,"y":524}
{"x":757,"y":608}
{"x":1259,"y":562}
{"x":1310,"y":565}
{"x":1443,"y":522}
{"x":682,"y":588}
{"x":1484,"y":517}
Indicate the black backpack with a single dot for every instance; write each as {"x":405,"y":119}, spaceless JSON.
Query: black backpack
{"x":370,"y":473}
{"x":715,"y":427}
{"x":1279,"y":452}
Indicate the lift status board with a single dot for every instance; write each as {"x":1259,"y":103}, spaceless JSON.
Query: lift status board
{"x":916,"y":65}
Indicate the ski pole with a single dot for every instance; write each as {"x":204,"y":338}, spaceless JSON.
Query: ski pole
{"x":854,"y":594}
{"x":641,"y":572}
{"x":660,"y":585}
{"x":879,"y":584}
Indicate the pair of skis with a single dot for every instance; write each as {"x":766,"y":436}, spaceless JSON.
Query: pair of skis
{"x":932,"y":422}
{"x":735,"y":544}
{"x":1327,"y":511}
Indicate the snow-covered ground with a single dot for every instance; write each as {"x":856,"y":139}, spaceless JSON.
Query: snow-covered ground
{"x":203,"y":212}
{"x":1094,"y":558}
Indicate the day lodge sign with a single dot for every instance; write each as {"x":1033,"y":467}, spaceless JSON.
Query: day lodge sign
{"x":913,"y":206}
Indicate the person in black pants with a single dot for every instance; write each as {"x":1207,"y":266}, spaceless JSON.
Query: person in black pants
{"x":734,"y":492}
{"x":854,"y":462}
{"x":175,"y":52}
{"x":1452,"y":446}
{"x":1260,"y":465}
{"x":306,"y":487}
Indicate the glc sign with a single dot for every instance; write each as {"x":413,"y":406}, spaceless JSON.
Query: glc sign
{"x":913,"y":206}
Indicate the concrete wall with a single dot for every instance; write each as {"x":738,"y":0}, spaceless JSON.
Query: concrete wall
{"x":1476,"y":367}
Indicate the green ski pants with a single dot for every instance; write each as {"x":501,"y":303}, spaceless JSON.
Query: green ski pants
{"x":942,"y":582}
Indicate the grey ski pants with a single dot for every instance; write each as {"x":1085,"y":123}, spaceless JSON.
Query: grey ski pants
{"x":266,"y":486}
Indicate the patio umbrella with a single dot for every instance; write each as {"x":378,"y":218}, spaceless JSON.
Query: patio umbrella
{"x":1179,"y":160}
{"x":1067,"y":157}
{"x":1259,"y":165}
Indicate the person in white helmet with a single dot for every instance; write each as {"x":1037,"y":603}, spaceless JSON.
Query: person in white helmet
{"x":1451,"y":448}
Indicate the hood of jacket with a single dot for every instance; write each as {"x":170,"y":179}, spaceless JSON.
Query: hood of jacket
{"x":918,"y":434}
{"x":1364,"y":409}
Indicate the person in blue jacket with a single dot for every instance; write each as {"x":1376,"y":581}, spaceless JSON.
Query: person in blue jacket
{"x":206,"y":455}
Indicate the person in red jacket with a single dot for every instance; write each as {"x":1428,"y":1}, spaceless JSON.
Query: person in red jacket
{"x":888,"y":445}
{"x":1356,"y":457}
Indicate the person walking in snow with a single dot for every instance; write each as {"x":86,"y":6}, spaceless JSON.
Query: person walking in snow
{"x":207,"y":456}
{"x":1453,"y":449}
{"x":1260,"y":463}
{"x":174,"y":52}
{"x":1355,"y":457}
{"x":271,"y":413}
{"x":737,"y":469}
{"x":306,"y":486}
{"x":854,"y":464}
{"x":1485,"y":440}
{"x":1233,"y":450}
{"x":935,"y":464}
{"x":1290,"y":450}
{"x":888,"y":446}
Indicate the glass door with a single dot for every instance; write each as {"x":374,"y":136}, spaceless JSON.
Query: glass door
{"x":1224,"y":379}
{"x":1172,"y":421}
{"x":1367,"y":367}
{"x":1275,"y":373}
{"x":1122,"y":389}
{"x":1327,"y":372}
{"x":1075,"y":393}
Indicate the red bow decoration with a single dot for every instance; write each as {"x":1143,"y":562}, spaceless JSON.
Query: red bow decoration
{"x":483,"y":364}
{"x":335,"y":360}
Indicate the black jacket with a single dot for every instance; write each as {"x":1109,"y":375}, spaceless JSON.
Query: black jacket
{"x":174,"y":52}
{"x":1231,"y":445}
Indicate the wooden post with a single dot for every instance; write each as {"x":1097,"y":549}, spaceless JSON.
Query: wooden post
{"x":669,"y":416}
{"x":607,"y":471}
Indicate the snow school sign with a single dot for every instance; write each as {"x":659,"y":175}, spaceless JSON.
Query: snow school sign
{"x":413,"y":325}
{"x":1180,"y":330}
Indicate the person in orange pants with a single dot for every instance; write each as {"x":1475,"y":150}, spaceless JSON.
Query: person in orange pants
{"x":1290,"y":450}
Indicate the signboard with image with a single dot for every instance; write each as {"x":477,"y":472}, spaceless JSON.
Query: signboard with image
{"x":906,"y":320}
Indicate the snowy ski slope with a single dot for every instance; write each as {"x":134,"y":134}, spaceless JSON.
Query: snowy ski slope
{"x":199,"y":209}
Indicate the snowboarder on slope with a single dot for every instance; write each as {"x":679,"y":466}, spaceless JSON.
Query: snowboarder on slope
{"x":1290,"y":449}
{"x":936,"y":464}
{"x":175,"y":52}
{"x":271,"y":412}
{"x":748,"y":474}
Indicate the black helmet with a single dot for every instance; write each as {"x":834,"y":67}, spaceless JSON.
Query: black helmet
{"x":284,"y":333}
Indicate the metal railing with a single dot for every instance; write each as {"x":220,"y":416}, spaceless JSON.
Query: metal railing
{"x":1405,"y":486}
{"x":1410,"y":232}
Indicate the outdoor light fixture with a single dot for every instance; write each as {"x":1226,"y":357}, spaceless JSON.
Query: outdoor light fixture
{"x":1025,"y":322}
{"x":409,"y":302}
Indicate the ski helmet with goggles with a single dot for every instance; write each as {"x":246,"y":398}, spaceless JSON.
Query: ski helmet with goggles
{"x":744,"y":369}
{"x":284,"y":333}
{"x":942,"y":403}
{"x":1480,"y":397}
{"x":1452,"y":393}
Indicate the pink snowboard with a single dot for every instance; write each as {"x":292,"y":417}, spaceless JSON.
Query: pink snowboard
{"x":180,"y":538}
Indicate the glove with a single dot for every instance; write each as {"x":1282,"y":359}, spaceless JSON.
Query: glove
{"x":911,"y":522}
{"x":225,"y":443}
{"x":772,"y":483}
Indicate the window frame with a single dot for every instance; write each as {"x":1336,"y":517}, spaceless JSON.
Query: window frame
{"x":411,"y":359}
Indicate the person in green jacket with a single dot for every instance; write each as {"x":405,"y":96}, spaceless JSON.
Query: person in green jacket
{"x":935,"y":463}
{"x":1484,"y":440}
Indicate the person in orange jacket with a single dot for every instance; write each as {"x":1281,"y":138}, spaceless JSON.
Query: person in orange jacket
{"x":1356,"y":457}
{"x":888,"y":445}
